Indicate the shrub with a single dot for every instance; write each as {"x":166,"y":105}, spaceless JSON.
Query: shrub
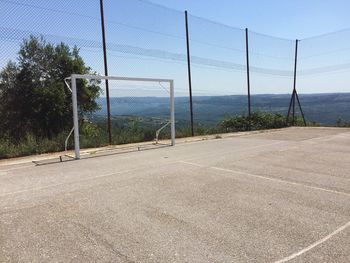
{"x":258,"y":121}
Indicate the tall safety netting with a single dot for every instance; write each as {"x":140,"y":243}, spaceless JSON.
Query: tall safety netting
{"x":148,"y":40}
{"x":74,"y":23}
{"x":323,"y":78}
{"x":218,"y":72}
{"x":45,"y":41}
{"x":271,"y":73}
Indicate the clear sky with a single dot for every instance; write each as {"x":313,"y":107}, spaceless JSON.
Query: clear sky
{"x":282,"y":18}
{"x":147,"y":40}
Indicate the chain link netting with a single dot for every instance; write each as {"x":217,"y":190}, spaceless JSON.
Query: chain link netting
{"x":218,"y":71}
{"x":271,"y":72}
{"x":323,"y":78}
{"x":148,"y":40}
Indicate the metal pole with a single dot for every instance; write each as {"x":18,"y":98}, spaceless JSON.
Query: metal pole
{"x":295,"y":77}
{"x":75,"y":118}
{"x":172,"y":113}
{"x":293,"y":109}
{"x":248,"y":76}
{"x":290,"y":107}
{"x":106,"y":72}
{"x":301,"y":110}
{"x":189,"y":71}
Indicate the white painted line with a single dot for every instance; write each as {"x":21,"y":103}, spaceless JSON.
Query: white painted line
{"x":79,"y":180}
{"x":241,"y":150}
{"x":60,"y":184}
{"x":128,"y":155}
{"x":325,"y":137}
{"x":194,"y":164}
{"x":111,"y":174}
{"x":268,"y":178}
{"x":319,"y":242}
{"x":282,"y":181}
{"x":16,"y":168}
{"x":175,"y":161}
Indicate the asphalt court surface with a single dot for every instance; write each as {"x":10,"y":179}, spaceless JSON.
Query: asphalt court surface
{"x":278,"y":196}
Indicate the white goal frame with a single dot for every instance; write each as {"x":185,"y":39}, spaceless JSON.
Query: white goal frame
{"x":74,"y":78}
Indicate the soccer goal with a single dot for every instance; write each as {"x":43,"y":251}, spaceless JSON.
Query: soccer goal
{"x":140,"y":87}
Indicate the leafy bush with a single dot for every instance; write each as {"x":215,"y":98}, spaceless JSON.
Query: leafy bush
{"x":258,"y":121}
{"x":34,"y":98}
{"x":30,"y":145}
{"x":342,"y":123}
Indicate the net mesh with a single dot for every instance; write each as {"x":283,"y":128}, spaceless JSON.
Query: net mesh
{"x":218,"y":71}
{"x":151,"y":44}
{"x":149,"y":40}
{"x":271,"y":72}
{"x":47,"y":19}
{"x":323,"y":77}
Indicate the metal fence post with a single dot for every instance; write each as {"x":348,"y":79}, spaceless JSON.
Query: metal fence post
{"x":301,"y":109}
{"x":290,"y":107}
{"x":295,"y":77}
{"x":106,"y":72}
{"x":189,"y":71}
{"x":295,"y":93}
{"x":172,"y":113}
{"x":248,"y":77}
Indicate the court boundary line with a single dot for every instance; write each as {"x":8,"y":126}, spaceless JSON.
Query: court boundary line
{"x":228,"y":137}
{"x":120,"y":172}
{"x":123,"y":154}
{"x":16,"y":168}
{"x":81,"y":180}
{"x":60,"y":184}
{"x":313,"y":245}
{"x":189,"y":162}
{"x":267,"y":178}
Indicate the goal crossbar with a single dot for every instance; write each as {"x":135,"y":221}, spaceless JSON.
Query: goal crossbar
{"x":74,"y":78}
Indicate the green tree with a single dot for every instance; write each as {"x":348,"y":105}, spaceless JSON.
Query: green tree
{"x":258,"y":120}
{"x":34,"y":98}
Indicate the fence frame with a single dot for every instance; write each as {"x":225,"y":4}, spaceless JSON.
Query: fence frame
{"x":295,"y":93}
{"x":189,"y":70}
{"x":248,"y":78}
{"x":105,"y":62}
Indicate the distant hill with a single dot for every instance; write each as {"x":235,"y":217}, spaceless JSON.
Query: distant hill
{"x":325,"y":109}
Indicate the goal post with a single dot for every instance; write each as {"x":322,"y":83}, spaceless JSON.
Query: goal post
{"x":75,"y":77}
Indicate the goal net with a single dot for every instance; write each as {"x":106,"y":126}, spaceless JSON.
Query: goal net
{"x":137,"y":109}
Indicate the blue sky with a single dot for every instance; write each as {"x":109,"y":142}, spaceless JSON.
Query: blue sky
{"x":282,"y":18}
{"x":146,"y":40}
